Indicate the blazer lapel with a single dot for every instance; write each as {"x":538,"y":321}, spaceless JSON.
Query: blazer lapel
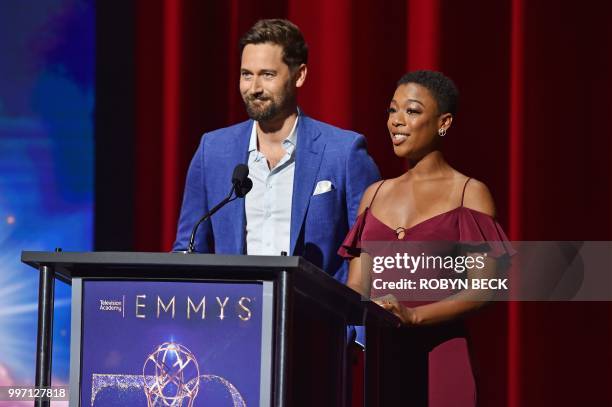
{"x":309,"y":153}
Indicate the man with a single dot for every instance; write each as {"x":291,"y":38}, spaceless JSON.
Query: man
{"x":308,"y":176}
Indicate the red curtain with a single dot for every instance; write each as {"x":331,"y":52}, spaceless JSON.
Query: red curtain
{"x":534,"y":78}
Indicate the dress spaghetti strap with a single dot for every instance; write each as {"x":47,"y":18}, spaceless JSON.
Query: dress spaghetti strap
{"x":376,"y":192}
{"x":463,"y":194}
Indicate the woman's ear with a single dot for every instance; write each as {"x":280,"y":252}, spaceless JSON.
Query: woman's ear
{"x":445,"y":121}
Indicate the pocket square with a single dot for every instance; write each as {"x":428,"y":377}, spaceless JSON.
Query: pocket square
{"x":323,"y":187}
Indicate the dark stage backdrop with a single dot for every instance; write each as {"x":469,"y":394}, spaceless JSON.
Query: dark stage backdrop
{"x":533,"y":125}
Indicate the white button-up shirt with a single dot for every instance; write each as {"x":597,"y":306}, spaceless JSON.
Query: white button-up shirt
{"x":268,"y":204}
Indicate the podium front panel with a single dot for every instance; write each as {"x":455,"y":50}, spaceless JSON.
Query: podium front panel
{"x":156,"y":343}
{"x":121,"y":348}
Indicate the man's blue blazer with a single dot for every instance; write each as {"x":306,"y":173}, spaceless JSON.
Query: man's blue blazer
{"x":319,"y":223}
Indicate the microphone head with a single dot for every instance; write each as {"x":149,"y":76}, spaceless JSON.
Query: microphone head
{"x":242,"y":183}
{"x":241,"y":171}
{"x":243,"y":188}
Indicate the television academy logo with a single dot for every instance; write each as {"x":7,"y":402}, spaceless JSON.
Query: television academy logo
{"x":113,"y":305}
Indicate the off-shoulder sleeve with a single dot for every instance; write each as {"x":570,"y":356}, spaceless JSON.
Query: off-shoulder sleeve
{"x":480,"y":231}
{"x":351,"y":247}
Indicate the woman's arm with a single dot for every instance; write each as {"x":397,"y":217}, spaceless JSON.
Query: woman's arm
{"x":358,"y":279}
{"x":447,"y":309}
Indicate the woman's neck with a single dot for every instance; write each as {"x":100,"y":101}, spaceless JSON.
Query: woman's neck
{"x":430,"y":165}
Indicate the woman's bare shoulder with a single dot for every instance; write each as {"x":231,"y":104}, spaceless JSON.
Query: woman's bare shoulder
{"x":368,"y":195}
{"x":478,"y":197}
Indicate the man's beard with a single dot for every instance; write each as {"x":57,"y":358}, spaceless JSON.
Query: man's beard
{"x":261,"y":113}
{"x":265,"y":113}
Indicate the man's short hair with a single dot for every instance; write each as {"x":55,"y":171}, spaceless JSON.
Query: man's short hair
{"x":280,"y":32}
{"x":441,"y":87}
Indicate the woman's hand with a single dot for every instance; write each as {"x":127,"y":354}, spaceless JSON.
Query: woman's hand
{"x":407,"y":315}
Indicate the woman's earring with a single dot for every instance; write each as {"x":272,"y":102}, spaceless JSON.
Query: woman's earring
{"x":442,"y":132}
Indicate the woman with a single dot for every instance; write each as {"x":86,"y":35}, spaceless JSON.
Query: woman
{"x":430,"y":201}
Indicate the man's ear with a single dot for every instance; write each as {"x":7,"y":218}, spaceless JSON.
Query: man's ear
{"x":300,"y":75}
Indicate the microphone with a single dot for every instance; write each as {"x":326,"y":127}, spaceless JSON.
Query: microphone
{"x":241,"y":185}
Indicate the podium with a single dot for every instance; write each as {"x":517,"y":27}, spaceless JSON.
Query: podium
{"x":272,"y":326}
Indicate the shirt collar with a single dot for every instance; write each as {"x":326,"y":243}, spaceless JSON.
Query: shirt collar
{"x":289,"y":143}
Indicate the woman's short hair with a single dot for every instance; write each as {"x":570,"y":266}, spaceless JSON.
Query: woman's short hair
{"x":441,"y":87}
{"x":280,"y":32}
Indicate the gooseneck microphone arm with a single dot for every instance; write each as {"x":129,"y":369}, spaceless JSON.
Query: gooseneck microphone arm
{"x":220,"y":205}
{"x":241,"y":185}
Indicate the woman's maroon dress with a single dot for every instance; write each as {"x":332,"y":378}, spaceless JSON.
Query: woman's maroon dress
{"x":451,"y":378}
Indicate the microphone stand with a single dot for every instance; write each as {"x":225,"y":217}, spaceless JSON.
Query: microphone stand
{"x":225,"y":201}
